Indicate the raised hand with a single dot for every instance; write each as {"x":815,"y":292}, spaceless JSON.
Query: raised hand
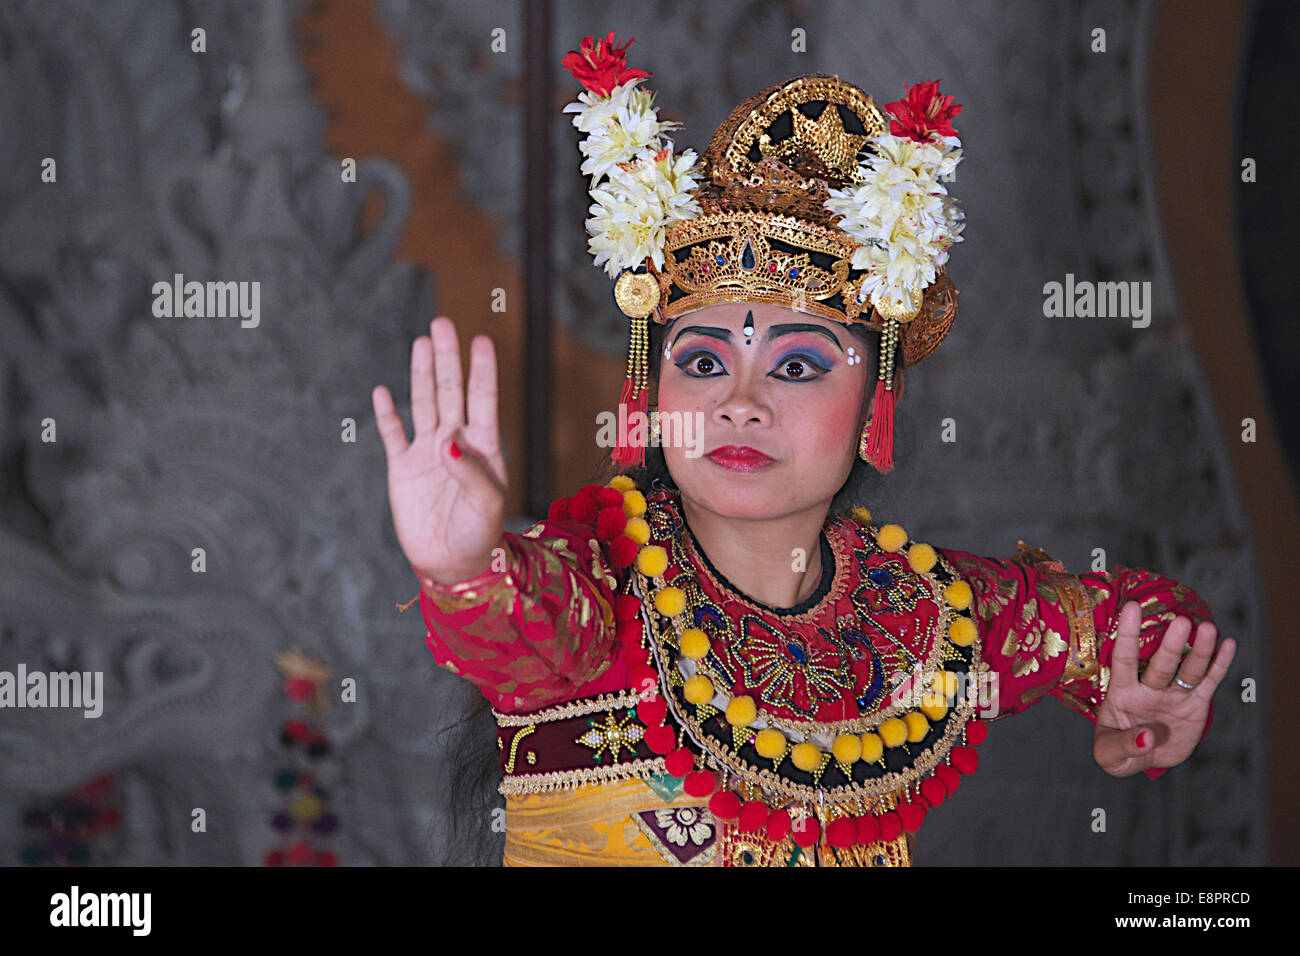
{"x":1155,"y":721}
{"x":447,"y":488}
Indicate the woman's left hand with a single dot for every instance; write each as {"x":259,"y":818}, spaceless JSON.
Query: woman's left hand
{"x":1155,"y":722}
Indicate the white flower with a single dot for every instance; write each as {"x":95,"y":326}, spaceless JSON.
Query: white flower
{"x":902,"y":217}
{"x":682,"y":823}
{"x":624,"y":230}
{"x":635,"y":205}
{"x":618,"y":126}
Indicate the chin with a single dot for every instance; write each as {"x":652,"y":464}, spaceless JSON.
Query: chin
{"x":737,"y":495}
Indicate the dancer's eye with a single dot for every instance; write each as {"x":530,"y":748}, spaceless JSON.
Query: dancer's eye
{"x":800,"y":367}
{"x":701,"y":363}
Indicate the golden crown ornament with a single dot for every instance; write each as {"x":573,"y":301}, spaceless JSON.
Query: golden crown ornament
{"x":808,"y":196}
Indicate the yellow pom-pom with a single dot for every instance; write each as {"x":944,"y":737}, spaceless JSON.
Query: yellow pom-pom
{"x":946,"y":682}
{"x":652,"y":560}
{"x":670,"y":601}
{"x":917,"y":725}
{"x":741,"y":711}
{"x":770,"y":743}
{"x":891,"y":537}
{"x":893,"y":732}
{"x":307,"y":807}
{"x":921,"y":557}
{"x":872,"y":747}
{"x":860,"y":514}
{"x":934,"y":706}
{"x":694,"y":644}
{"x":958,"y":594}
{"x":847,"y":748}
{"x":806,"y":757}
{"x":962,"y":632}
{"x":621,"y":483}
{"x":633,"y":504}
{"x":638,"y":529}
{"x":698,"y":689}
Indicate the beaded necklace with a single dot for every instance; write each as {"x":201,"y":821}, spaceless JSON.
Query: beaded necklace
{"x":738,"y":790}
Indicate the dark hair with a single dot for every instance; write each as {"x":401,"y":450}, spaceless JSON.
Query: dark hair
{"x":469,"y":791}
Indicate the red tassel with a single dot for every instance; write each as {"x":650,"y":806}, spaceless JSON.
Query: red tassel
{"x":628,"y":454}
{"x":880,"y":437}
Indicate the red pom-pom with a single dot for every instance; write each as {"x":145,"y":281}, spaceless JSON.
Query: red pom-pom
{"x":700,"y":783}
{"x":582,"y":507}
{"x":806,"y":832}
{"x":679,"y":762}
{"x":753,"y":816}
{"x":645,"y":680}
{"x":326,"y":858}
{"x":976,"y":732}
{"x":610,"y":498}
{"x":951,"y":778}
{"x":661,"y":739}
{"x":933,"y":791}
{"x":609,"y":522}
{"x":911,"y":813}
{"x":633,"y":655}
{"x":778,"y":825}
{"x":627,"y":607}
{"x":842,"y":833}
{"x":868,"y":829}
{"x":724,"y":805}
{"x":559,"y":509}
{"x":300,"y":688}
{"x":300,"y":853}
{"x":274,"y":858}
{"x":622,"y":551}
{"x":629,"y":632}
{"x":965,"y":759}
{"x":652,"y":712}
{"x":297,"y":729}
{"x":890,"y":826}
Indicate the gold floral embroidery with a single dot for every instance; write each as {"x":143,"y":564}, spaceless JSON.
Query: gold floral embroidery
{"x":1038,"y":643}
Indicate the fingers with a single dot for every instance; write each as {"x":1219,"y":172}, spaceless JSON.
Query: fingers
{"x":1124,"y":656}
{"x":449,"y":385}
{"x":483,"y":390}
{"x":1194,"y":665}
{"x":1218,"y":670}
{"x":391,"y":430}
{"x":424,"y":413}
{"x":1163,"y":663}
{"x":1118,"y":751}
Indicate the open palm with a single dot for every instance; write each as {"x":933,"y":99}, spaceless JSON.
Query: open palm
{"x":447,"y":487}
{"x":1155,"y":721}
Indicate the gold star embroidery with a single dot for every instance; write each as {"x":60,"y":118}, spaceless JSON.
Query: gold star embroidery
{"x":614,"y":736}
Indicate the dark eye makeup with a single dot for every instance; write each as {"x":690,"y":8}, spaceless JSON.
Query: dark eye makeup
{"x":799,"y":358}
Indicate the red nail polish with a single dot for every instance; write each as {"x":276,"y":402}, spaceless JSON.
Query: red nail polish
{"x":1142,"y":739}
{"x":454,"y":450}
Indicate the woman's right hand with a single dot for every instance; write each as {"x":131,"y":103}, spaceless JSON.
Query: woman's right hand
{"x":449,"y":511}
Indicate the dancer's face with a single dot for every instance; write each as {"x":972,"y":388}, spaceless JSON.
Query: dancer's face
{"x":789,"y":385}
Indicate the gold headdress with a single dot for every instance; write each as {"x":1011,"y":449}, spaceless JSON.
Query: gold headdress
{"x":808,"y":196}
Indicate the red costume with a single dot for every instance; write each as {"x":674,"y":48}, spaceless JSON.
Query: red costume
{"x":561,"y":639}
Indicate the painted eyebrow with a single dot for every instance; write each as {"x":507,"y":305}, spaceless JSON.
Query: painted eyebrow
{"x":772,"y":332}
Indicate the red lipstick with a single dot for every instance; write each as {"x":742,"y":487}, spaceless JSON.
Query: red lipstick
{"x":740,"y":458}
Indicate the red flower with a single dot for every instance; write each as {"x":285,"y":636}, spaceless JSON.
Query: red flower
{"x":600,"y":66}
{"x":923,"y":110}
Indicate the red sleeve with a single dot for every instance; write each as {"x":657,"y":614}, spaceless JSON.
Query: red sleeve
{"x":533,"y":632}
{"x":1045,"y":631}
